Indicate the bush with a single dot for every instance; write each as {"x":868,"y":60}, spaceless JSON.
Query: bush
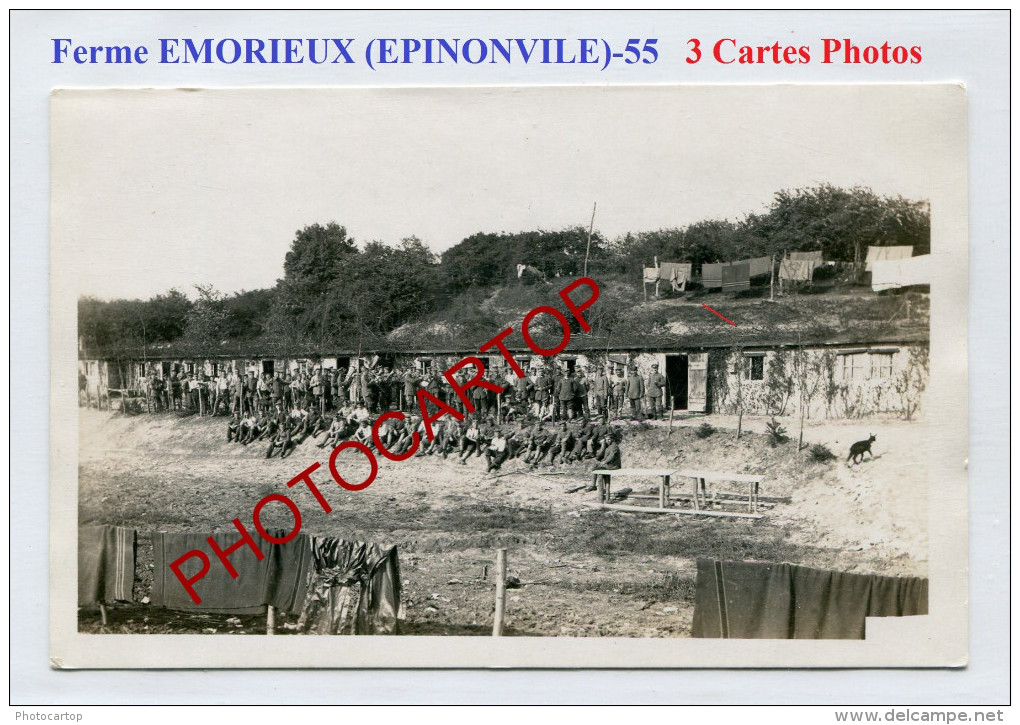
{"x":776,"y":433}
{"x":821,"y":454}
{"x":704,"y":430}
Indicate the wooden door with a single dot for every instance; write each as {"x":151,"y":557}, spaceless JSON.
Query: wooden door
{"x":697,"y":382}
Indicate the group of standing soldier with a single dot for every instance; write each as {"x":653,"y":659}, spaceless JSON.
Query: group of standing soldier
{"x":551,"y":394}
{"x":558,"y":394}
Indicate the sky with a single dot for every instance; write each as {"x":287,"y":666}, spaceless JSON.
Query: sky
{"x":155,"y":189}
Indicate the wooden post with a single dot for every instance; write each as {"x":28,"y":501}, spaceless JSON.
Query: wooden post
{"x":102,"y":613}
{"x":694,"y":497}
{"x":497,"y":624}
{"x":270,"y":619}
{"x":499,"y":408}
{"x":772,"y":278}
{"x":664,"y":492}
{"x":803,"y":365}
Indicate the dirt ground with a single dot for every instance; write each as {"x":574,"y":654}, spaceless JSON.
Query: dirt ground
{"x":583,"y":571}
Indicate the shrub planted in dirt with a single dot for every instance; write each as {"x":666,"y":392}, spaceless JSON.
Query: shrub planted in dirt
{"x":821,"y":454}
{"x":776,"y":433}
{"x":704,"y":430}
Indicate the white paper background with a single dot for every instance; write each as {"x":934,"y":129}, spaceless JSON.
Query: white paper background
{"x":966,"y":47}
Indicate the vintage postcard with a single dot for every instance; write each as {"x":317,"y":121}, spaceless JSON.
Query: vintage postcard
{"x":598,"y":377}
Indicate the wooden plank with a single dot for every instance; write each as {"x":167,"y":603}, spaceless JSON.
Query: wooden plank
{"x":634,"y":472}
{"x":742,"y":501}
{"x":712,"y":476}
{"x":655,"y":510}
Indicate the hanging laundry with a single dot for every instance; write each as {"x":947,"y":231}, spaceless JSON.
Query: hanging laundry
{"x":676,"y":273}
{"x":651,"y":275}
{"x":711,"y":276}
{"x":106,"y":564}
{"x":882,"y":254}
{"x":759,"y":265}
{"x":895,"y":273}
{"x":354,"y":588}
{"x":278,"y":578}
{"x":747,"y":600}
{"x":797,"y":270}
{"x":736,"y":277}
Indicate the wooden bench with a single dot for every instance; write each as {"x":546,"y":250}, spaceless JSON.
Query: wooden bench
{"x":608,"y":473}
{"x":701,"y":478}
{"x":699,"y":497}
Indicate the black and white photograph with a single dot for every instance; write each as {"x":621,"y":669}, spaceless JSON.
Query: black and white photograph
{"x":550,"y":376}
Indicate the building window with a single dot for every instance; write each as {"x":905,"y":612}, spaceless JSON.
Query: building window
{"x":754,"y":367}
{"x":853,"y":367}
{"x":881,"y":365}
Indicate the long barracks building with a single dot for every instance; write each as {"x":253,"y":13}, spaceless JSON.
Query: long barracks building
{"x":834,"y":378}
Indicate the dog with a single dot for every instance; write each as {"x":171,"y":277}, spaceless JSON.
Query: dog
{"x":858,"y":449}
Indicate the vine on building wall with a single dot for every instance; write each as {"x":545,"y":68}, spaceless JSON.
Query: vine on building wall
{"x":829,"y":385}
{"x":718,"y":380}
{"x":911,"y":382}
{"x":779,"y":385}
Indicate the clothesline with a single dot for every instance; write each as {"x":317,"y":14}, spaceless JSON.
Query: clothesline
{"x":333,"y":585}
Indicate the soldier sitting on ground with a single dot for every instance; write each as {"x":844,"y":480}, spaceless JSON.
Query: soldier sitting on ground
{"x":232,"y":427}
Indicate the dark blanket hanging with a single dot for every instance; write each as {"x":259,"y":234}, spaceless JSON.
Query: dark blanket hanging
{"x":106,"y":564}
{"x":746,"y":600}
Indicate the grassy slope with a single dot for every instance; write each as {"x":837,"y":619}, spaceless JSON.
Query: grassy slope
{"x":820,"y":313}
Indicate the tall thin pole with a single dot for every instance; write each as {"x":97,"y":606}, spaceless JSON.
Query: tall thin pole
{"x":590,"y":227}
{"x":497,"y":623}
{"x":803,"y":382}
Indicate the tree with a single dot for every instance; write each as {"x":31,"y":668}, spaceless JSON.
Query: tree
{"x":305,"y":300}
{"x":316,"y":257}
{"x":487,"y":259}
{"x":842,"y":222}
{"x":208,"y":318}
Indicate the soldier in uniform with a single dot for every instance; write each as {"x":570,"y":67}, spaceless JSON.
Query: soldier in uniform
{"x":619,"y":394}
{"x":565,"y":394}
{"x":251,"y":393}
{"x":411,"y":383}
{"x":602,"y":390}
{"x":315,"y":388}
{"x":655,"y":388}
{"x":581,"y":395}
{"x":367,"y":389}
{"x":497,"y":451}
{"x":523,"y":388}
{"x":480,"y":399}
{"x":635,"y":387}
{"x":610,"y":460}
{"x":543,"y":394}
{"x":233,"y":427}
